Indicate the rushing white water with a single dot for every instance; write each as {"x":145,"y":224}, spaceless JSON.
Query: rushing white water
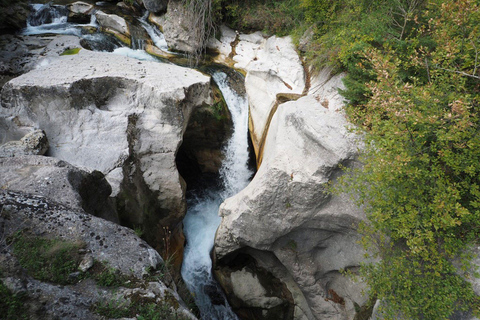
{"x":47,"y":18}
{"x":157,"y":37}
{"x":202,"y":218}
{"x":137,"y":54}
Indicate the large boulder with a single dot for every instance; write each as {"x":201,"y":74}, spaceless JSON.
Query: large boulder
{"x":117,"y":115}
{"x":286,"y":214}
{"x":34,"y":143}
{"x":59,"y":181}
{"x":106,"y":250}
{"x":155,"y":6}
{"x":114,"y":24}
{"x":80,"y":12}
{"x":176,"y":25}
{"x":273,"y":71}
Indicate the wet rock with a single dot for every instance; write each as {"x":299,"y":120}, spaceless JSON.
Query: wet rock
{"x":312,"y":234}
{"x":47,"y":13}
{"x":116,"y":25}
{"x":34,"y":143}
{"x":80,"y":12}
{"x":272,"y":68}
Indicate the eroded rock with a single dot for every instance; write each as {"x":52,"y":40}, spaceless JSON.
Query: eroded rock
{"x":34,"y":143}
{"x":105,"y":242}
{"x":272,"y":68}
{"x":80,"y":12}
{"x":118,"y":115}
{"x":59,"y":181}
{"x":115,"y":25}
{"x":176,"y":25}
{"x":285,"y":210}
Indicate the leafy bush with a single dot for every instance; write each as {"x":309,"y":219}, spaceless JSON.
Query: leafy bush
{"x":420,"y":184}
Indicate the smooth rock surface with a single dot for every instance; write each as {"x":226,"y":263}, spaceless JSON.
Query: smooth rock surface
{"x":79,"y":12}
{"x":272,"y":67}
{"x":247,"y":287}
{"x":104,"y":112}
{"x":112,"y":22}
{"x":286,"y":210}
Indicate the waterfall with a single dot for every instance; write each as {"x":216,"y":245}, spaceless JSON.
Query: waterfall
{"x":48,"y":18}
{"x":157,"y":37}
{"x":202,"y":220}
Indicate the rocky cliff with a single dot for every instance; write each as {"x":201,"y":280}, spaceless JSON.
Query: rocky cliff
{"x":284,"y":233}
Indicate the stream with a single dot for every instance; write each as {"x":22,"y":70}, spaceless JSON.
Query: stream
{"x":201,"y":220}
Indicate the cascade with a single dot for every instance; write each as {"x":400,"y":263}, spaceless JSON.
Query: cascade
{"x":156,"y":35}
{"x":202,"y":218}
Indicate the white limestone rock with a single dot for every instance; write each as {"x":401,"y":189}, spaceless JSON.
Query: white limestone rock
{"x":100,"y":110}
{"x":248,"y":288}
{"x":112,"y":22}
{"x":285,"y":209}
{"x":59,"y":181}
{"x":272,"y":67}
{"x":223,"y":45}
{"x":34,"y":143}
{"x":80,"y":7}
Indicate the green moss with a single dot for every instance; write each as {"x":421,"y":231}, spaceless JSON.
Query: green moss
{"x":12,"y":306}
{"x":108,"y":276}
{"x":49,"y":260}
{"x":141,"y":308}
{"x":71,"y":51}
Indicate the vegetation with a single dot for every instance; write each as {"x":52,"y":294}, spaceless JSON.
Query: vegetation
{"x":55,"y":261}
{"x":49,"y":260}
{"x":11,"y":305}
{"x":71,"y":51}
{"x":413,"y":86}
{"x":142,"y":310}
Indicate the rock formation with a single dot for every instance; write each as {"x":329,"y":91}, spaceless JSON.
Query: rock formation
{"x":273,"y":70}
{"x":176,"y":26}
{"x":298,"y":235}
{"x":114,"y":24}
{"x":80,"y":12}
{"x":102,"y":243}
{"x":118,"y":115}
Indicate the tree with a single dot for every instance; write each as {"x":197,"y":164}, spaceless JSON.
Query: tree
{"x":420,"y":183}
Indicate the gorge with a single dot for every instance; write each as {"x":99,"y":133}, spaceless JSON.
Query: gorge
{"x":199,"y":191}
{"x":141,"y":109}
